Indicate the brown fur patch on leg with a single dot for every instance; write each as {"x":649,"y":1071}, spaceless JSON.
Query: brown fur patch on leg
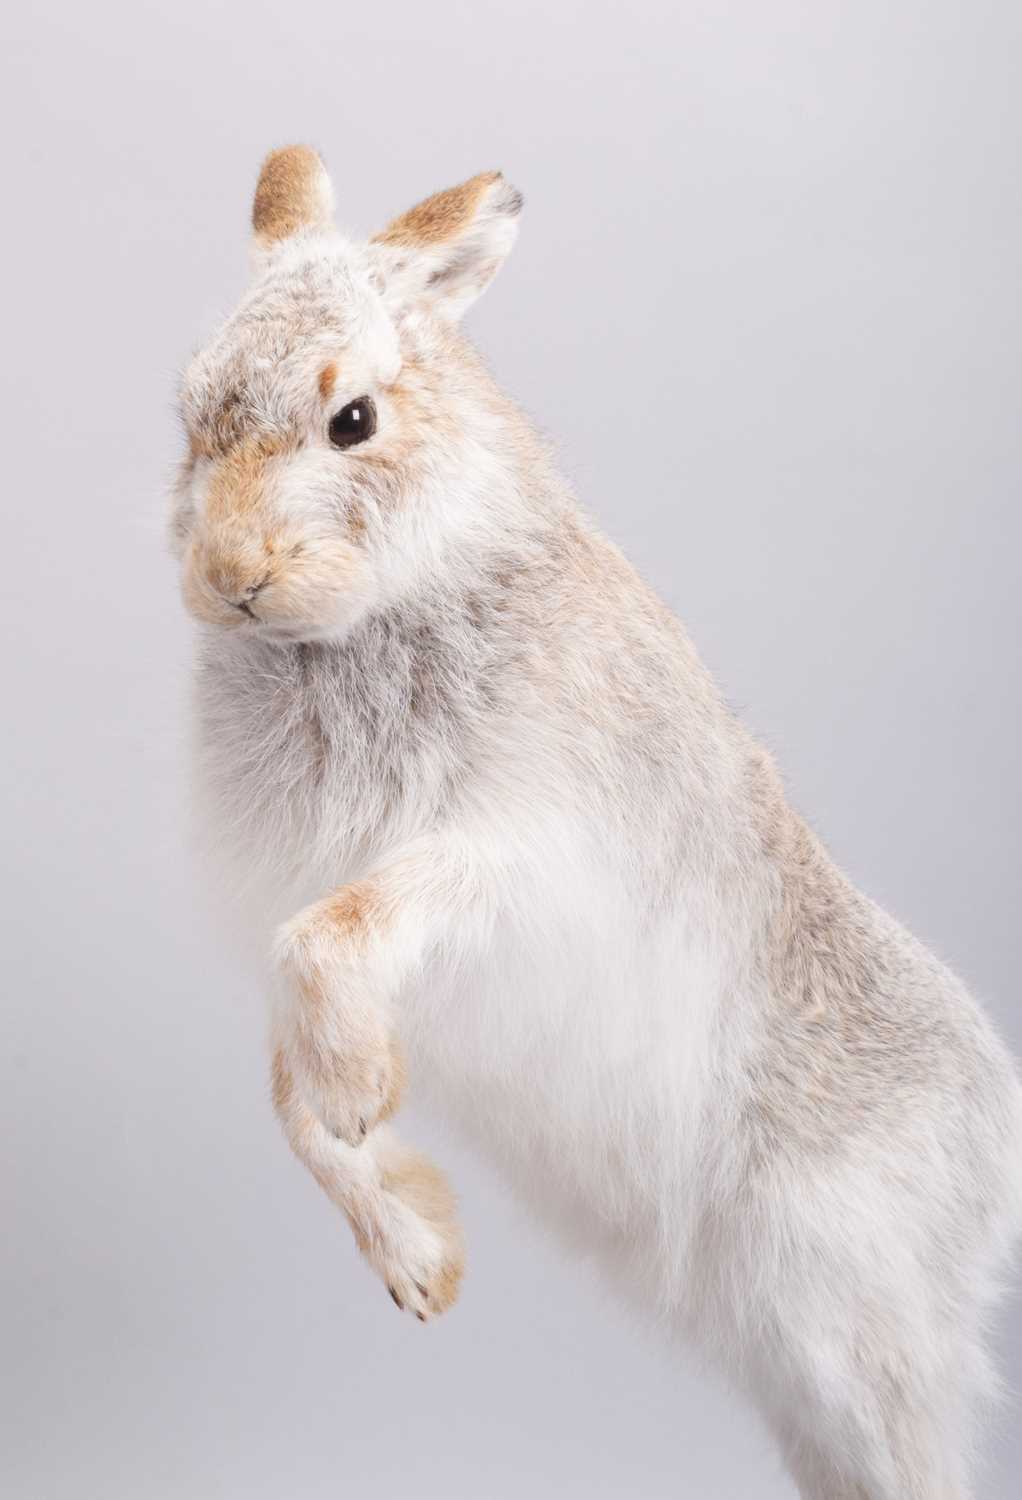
{"x":398,"y":1081}
{"x":353,"y":1090}
{"x":351,"y":914}
{"x":282,"y":1085}
{"x":345,"y":920}
{"x":298,"y":1122}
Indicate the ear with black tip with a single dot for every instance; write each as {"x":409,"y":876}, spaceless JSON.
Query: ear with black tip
{"x":293,"y":194}
{"x":447,"y":249}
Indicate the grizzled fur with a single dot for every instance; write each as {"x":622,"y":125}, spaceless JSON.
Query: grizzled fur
{"x":442,"y":719}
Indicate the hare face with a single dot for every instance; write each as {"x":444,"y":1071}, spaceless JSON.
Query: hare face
{"x":293,"y":432}
{"x":306,"y":439}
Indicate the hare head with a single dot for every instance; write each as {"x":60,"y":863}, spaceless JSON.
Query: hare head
{"x":333,"y":418}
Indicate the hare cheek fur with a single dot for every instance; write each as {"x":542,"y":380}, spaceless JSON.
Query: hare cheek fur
{"x":473,"y":774}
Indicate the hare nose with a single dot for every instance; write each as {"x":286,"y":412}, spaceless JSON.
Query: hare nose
{"x":242,"y":598}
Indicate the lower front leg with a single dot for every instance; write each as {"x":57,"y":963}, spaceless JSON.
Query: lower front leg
{"x":339,"y":1072}
{"x":334,"y":1024}
{"x":399,"y":1205}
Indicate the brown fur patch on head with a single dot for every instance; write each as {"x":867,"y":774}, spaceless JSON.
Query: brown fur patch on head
{"x":425,"y":416}
{"x":442,"y":217}
{"x":237,"y":482}
{"x":237,"y":548}
{"x":219,"y":425}
{"x":293,"y":193}
{"x":327,"y":380}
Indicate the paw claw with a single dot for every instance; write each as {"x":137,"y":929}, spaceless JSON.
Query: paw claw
{"x":396,"y":1299}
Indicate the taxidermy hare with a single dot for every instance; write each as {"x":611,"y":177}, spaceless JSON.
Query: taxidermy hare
{"x":502,"y":824}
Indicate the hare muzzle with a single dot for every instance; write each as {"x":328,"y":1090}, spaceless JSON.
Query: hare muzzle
{"x":262,"y":558}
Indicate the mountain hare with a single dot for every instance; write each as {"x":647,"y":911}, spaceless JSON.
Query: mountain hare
{"x":529,"y":848}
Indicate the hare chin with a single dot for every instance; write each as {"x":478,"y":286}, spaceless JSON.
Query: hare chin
{"x":279,"y":634}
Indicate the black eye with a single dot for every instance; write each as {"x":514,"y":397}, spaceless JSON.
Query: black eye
{"x":353,"y":423}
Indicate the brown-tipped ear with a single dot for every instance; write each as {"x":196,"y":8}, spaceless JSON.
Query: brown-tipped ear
{"x":448,"y":248}
{"x":293,"y":193}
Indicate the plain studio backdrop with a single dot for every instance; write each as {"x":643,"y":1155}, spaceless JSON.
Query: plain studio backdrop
{"x":765,"y":300}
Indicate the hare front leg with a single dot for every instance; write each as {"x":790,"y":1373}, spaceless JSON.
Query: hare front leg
{"x":338,"y":1071}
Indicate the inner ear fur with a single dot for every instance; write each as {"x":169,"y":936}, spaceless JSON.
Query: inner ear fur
{"x":458,"y":238}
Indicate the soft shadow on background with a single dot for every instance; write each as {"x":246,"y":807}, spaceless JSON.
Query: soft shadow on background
{"x":765,"y":300}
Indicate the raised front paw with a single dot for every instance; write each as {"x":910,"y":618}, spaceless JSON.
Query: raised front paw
{"x":346,"y":1064}
{"x":416,"y":1245}
{"x":399,"y":1205}
{"x":348,"y":1092}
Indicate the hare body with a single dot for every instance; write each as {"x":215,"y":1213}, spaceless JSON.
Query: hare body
{"x":532,"y":850}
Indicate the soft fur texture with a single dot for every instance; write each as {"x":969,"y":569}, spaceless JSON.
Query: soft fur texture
{"x":443,"y":720}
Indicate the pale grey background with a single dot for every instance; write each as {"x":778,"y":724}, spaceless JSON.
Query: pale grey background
{"x":765,"y":298}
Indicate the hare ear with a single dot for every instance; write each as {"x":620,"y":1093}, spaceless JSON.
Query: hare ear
{"x":293,"y":194}
{"x":448,"y":249}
